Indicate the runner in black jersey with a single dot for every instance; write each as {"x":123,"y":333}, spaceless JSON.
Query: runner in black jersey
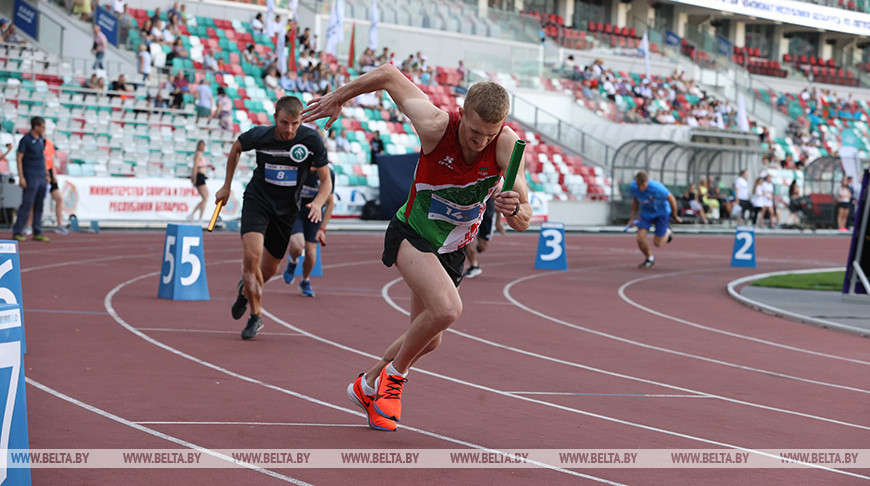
{"x":285,"y":152}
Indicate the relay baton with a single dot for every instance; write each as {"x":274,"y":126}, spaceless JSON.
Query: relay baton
{"x":516,"y":158}
{"x":214,"y":216}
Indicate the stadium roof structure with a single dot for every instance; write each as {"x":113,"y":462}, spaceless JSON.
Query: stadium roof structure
{"x":823,"y":175}
{"x":721,"y":154}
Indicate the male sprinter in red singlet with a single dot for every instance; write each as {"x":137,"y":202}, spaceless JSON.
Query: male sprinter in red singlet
{"x":463,"y":156}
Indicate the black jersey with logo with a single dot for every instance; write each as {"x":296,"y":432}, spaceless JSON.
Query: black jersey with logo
{"x":281,"y":166}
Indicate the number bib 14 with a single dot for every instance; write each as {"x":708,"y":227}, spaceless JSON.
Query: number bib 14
{"x":451,"y":212}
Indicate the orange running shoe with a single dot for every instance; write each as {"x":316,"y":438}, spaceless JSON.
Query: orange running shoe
{"x":388,"y":399}
{"x":357,"y":396}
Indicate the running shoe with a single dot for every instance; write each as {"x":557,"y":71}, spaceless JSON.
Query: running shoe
{"x":305,"y":287}
{"x":388,"y":400}
{"x":255,"y":323}
{"x":647,"y":264}
{"x":289,"y":271}
{"x":670,"y":235}
{"x":41,"y":237}
{"x":357,"y":396}
{"x":472,"y":272}
{"x":19,"y":237}
{"x":241,"y":303}
{"x":61,"y":230}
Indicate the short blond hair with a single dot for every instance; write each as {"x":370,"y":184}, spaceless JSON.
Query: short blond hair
{"x":489,"y":100}
{"x":641,"y":177}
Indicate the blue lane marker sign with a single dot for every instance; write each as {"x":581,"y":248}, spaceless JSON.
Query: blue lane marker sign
{"x":13,"y":400}
{"x":551,"y":247}
{"x":317,"y":271}
{"x":182,"y":274}
{"x":744,"y":247}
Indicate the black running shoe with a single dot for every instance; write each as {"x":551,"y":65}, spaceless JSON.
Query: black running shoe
{"x":255,"y":323}
{"x":647,"y":264}
{"x":670,"y":235}
{"x":241,"y":304}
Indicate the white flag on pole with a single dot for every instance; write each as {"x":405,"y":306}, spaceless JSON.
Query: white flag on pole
{"x":292,"y":6}
{"x":373,"y":28}
{"x":335,"y":30}
{"x":282,"y":55}
{"x":742,"y":117}
{"x":644,"y":48}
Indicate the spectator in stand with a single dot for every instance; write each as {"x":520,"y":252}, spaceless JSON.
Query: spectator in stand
{"x":175,"y":10}
{"x":180,"y":83}
{"x":337,"y":141}
{"x":709,"y":200}
{"x":383,"y":57}
{"x":691,"y":195}
{"x":125,"y":23}
{"x":118,"y":6}
{"x":758,"y":202}
{"x":270,"y":79}
{"x":101,"y":85}
{"x":156,"y":32}
{"x":304,"y":62}
{"x":177,"y":99}
{"x":160,"y":101}
{"x":306,"y":83}
{"x":182,"y":15}
{"x":275,"y":27}
{"x":99,"y":47}
{"x":92,"y":82}
{"x":304,"y":39}
{"x":144,"y":62}
{"x":120,"y":86}
{"x":145,"y":32}
{"x":408,"y":64}
{"x":289,"y":81}
{"x":157,"y":16}
{"x":251,"y":57}
{"x":257,"y":24}
{"x":83,"y":9}
{"x":367,"y":61}
{"x":178,"y":51}
{"x":172,"y":24}
{"x":204,"y":97}
{"x":845,"y":197}
{"x":224,"y":109}
{"x":168,"y":35}
{"x":376,"y":146}
{"x":208,"y":60}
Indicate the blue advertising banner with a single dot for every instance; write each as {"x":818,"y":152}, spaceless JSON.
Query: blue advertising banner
{"x":108,"y":23}
{"x":672,"y":39}
{"x":26,"y":18}
{"x":723,"y":47}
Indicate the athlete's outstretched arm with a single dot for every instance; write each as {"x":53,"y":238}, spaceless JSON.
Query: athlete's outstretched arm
{"x":429,"y":121}
{"x":223,"y":194}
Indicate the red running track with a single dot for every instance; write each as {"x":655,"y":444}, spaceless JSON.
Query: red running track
{"x":603,"y":356}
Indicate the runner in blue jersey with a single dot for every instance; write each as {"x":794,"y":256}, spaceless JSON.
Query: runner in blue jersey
{"x":306,"y":233}
{"x":656,"y":205}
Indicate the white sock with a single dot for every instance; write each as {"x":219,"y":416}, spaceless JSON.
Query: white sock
{"x":652,"y":258}
{"x":368,"y":390}
{"x":392,"y":371}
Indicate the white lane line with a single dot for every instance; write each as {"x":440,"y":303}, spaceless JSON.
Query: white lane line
{"x":729,"y":333}
{"x":161,"y":435}
{"x":554,"y":405}
{"x":659,"y":348}
{"x":211,"y":331}
{"x":587,"y":394}
{"x":385,"y":293}
{"x":111,"y":310}
{"x":268,"y":424}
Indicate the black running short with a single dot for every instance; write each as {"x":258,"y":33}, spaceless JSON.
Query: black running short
{"x":397,"y":231}
{"x":200,"y":179}
{"x":305,"y":226}
{"x":275,"y":229}
{"x":53,"y":180}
